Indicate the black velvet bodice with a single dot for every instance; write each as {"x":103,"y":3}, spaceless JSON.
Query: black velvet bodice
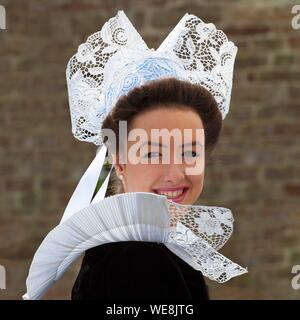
{"x":135,"y":271}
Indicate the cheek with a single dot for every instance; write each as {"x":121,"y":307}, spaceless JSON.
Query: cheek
{"x":197,"y":182}
{"x":142,"y":177}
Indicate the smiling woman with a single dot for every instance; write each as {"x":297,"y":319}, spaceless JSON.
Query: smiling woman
{"x":184,"y":85}
{"x":175,"y":98}
{"x":143,"y":270}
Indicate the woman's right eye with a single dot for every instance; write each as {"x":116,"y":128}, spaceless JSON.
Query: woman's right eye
{"x":151,"y":153}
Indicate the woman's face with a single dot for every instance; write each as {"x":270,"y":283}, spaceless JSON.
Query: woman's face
{"x":170,"y":176}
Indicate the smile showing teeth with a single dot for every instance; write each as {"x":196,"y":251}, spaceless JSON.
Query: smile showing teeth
{"x":171,"y":194}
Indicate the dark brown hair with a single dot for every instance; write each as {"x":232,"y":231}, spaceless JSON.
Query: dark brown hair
{"x":170,"y":93}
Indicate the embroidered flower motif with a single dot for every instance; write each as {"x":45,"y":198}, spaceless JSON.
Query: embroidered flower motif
{"x":130,"y":81}
{"x":84,"y":53}
{"x":209,"y":225}
{"x":214,"y":268}
{"x":224,"y":217}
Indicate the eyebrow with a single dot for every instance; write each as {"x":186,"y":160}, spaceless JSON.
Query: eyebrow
{"x":193,"y":143}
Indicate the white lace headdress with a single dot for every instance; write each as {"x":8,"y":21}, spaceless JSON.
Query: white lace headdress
{"x":109,"y":64}
{"x":116,"y":59}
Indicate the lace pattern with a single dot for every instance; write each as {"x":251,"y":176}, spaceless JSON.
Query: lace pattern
{"x":214,"y":225}
{"x":193,"y":51}
{"x":200,"y":231}
{"x":207,"y":54}
{"x":85,"y":75}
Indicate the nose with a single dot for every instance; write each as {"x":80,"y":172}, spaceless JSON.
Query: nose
{"x":174,"y":173}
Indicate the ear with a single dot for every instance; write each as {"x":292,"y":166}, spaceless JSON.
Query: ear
{"x":120,"y":168}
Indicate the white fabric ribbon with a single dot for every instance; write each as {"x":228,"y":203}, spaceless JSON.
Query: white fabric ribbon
{"x":84,"y":191}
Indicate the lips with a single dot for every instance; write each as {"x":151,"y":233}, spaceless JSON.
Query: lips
{"x":172,"y":193}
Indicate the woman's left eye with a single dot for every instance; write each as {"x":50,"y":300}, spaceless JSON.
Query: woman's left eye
{"x":194,"y":153}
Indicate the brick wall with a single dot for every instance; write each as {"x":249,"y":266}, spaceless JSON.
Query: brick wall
{"x":257,"y":172}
